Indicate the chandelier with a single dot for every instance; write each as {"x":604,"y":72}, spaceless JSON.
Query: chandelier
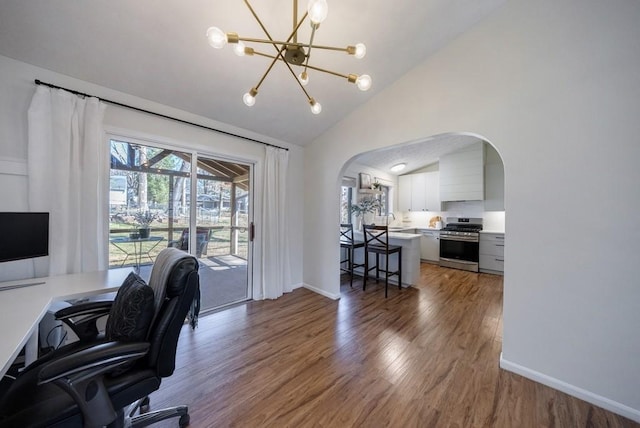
{"x":291,"y":52}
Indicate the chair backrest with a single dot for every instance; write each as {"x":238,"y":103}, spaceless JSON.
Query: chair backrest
{"x":346,"y":233}
{"x":178,"y":272}
{"x":376,"y":235}
{"x":203,"y":235}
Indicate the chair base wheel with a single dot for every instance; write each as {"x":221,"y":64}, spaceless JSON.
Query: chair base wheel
{"x":184,"y":421}
{"x":145,"y":405}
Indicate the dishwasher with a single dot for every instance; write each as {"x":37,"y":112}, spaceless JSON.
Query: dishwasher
{"x":430,"y":245}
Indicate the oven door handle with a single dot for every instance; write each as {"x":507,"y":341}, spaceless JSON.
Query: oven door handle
{"x":458,"y":238}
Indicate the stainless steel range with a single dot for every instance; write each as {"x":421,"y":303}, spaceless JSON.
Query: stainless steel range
{"x":460,"y":243}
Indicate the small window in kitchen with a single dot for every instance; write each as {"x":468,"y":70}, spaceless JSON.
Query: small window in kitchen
{"x":384,"y":200}
{"x":346,"y":198}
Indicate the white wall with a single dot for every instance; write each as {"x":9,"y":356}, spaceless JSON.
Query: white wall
{"x":16,"y":89}
{"x":555,"y":87}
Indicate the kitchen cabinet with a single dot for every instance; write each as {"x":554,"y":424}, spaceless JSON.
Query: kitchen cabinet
{"x":492,"y":252}
{"x":429,"y":245}
{"x":462,"y":174}
{"x":432,"y":186}
{"x":419,"y":192}
{"x":404,"y":193}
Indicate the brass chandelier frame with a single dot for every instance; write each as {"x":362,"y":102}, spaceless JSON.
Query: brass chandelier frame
{"x":290,"y":52}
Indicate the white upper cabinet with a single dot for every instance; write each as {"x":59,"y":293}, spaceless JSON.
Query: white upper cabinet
{"x":404,"y":193}
{"x":462,"y":174}
{"x":433,"y":190}
{"x":419,"y":192}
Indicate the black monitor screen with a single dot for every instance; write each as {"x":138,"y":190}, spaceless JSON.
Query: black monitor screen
{"x":23,"y":236}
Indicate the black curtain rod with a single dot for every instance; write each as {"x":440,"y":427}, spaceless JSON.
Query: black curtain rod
{"x":39,"y":82}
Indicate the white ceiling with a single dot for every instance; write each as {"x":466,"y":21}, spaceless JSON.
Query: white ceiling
{"x":416,"y":155}
{"x":157,"y":50}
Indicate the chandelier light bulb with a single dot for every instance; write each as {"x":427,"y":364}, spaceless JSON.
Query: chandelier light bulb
{"x":216,"y":37}
{"x":249,"y":99}
{"x":364,"y":82}
{"x":318,"y":10}
{"x":304,"y":78}
{"x":361,"y":51}
{"x":316,"y":108}
{"x":238,"y":48}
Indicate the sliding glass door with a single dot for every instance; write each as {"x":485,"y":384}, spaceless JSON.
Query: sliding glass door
{"x":155,"y":202}
{"x":222,"y":230}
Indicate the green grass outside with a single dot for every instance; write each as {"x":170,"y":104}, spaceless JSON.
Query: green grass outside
{"x":219,"y":244}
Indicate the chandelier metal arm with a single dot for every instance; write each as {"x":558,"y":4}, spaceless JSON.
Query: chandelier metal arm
{"x":279,"y":49}
{"x":346,"y":76}
{"x":348,"y":49}
{"x":313,"y":33}
{"x":295,"y":20}
{"x":273,"y":42}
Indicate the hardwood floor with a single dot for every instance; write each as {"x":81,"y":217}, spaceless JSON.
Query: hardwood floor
{"x":425,"y":357}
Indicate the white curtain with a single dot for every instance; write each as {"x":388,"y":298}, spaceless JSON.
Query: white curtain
{"x":276,"y":271}
{"x":67,"y":178}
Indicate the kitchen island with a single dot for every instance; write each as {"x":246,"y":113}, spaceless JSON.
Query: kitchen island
{"x":410,"y":243}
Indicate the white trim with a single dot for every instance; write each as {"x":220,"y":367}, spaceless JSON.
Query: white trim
{"x":321,"y":292}
{"x":13,"y":166}
{"x":590,"y":397}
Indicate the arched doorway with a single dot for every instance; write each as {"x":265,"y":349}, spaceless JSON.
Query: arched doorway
{"x":370,"y":176}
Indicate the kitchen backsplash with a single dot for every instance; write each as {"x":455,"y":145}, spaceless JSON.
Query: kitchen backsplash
{"x":492,"y":220}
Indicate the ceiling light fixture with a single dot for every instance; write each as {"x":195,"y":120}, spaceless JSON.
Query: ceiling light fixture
{"x":398,"y":167}
{"x":291,"y":52}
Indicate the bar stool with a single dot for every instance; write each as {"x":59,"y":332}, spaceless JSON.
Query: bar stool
{"x":376,"y":240}
{"x":349,"y":244}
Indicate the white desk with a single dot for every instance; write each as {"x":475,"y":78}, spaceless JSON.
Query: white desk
{"x":21,"y":309}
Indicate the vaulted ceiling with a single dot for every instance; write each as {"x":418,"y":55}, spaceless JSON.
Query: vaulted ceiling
{"x":157,"y":50}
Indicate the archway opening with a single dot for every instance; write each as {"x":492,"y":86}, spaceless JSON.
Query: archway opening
{"x":421,"y":198}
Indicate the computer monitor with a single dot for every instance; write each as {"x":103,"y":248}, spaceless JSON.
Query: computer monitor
{"x":23,"y":235}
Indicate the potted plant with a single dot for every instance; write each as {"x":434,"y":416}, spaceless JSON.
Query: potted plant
{"x":366,"y":207}
{"x":143,"y":220}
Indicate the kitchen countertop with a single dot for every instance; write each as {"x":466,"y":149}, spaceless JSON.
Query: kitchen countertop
{"x":393,"y":235}
{"x":433,"y":229}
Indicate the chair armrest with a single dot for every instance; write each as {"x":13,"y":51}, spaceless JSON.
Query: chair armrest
{"x":82,"y":308}
{"x":92,"y":362}
{"x":82,"y":317}
{"x":81,"y":375}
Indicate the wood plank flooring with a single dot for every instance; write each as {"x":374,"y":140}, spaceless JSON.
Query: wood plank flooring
{"x":425,"y":357}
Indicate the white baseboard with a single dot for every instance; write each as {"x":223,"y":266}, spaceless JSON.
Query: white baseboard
{"x":590,"y":397}
{"x":321,"y":292}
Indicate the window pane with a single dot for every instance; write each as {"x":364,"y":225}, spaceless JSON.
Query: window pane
{"x":346,"y":195}
{"x":148,"y":194}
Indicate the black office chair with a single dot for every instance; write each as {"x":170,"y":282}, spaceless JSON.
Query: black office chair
{"x":349,"y":244}
{"x":91,"y":382}
{"x":376,"y":240}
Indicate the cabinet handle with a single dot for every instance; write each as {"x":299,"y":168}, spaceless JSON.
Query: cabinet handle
{"x":499,"y":237}
{"x":499,"y":260}
{"x":499,"y":245}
